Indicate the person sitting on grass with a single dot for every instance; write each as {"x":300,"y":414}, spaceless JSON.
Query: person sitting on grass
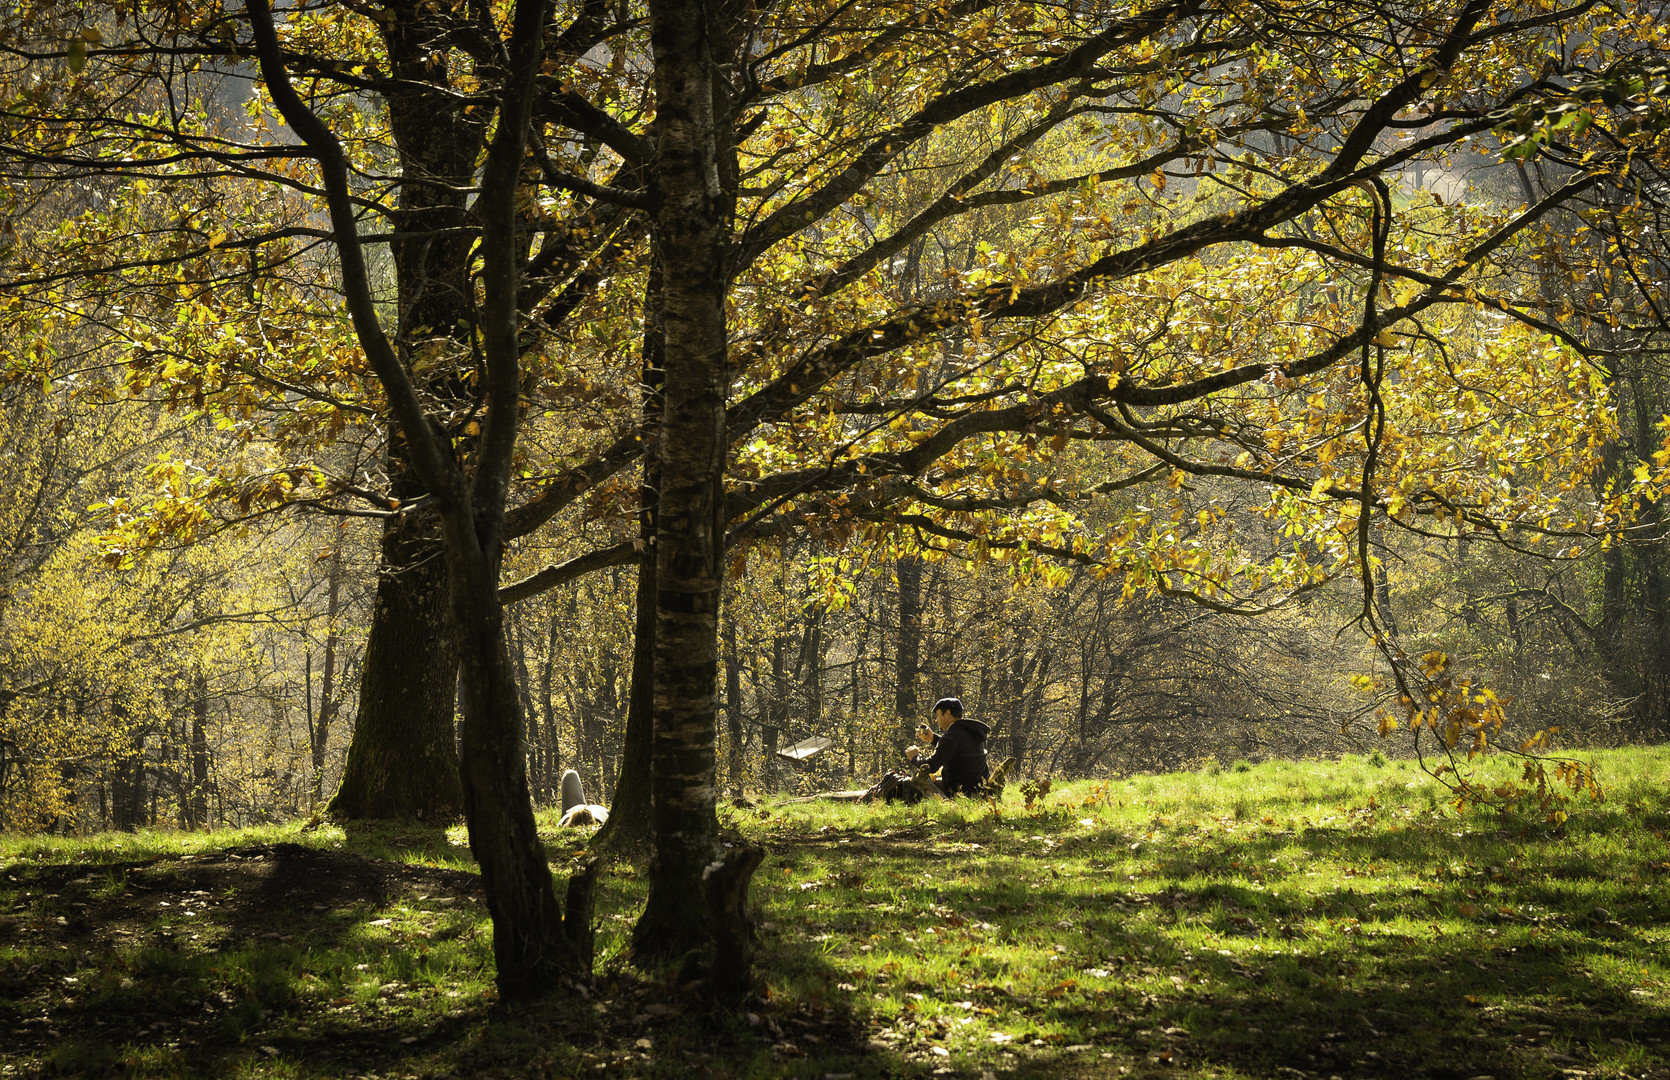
{"x":959,"y":751}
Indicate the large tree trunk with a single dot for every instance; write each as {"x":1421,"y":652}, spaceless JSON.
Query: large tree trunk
{"x":533,"y":942}
{"x":690,"y":230}
{"x":401,"y":761}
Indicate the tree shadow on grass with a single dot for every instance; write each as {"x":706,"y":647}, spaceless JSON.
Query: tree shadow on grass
{"x":259,"y":956}
{"x":1333,"y":988}
{"x":188,"y":965}
{"x":1346,"y":1002}
{"x":404,"y":841}
{"x":248,"y":956}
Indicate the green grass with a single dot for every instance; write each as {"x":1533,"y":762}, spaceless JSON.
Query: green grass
{"x":1280,"y":920}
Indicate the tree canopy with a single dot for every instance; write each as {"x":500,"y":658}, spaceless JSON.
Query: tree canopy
{"x":1208,"y":298}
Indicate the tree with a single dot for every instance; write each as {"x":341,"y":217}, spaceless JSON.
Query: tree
{"x":1258,"y":323}
{"x":533,"y":937}
{"x":687,"y":43}
{"x":975,"y":268}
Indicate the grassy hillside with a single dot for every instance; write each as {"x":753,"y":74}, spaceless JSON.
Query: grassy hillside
{"x":1281,"y":920}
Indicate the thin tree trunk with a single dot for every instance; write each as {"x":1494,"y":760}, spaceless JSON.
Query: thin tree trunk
{"x":907,"y":704}
{"x":733,"y":703}
{"x":1654,"y":708}
{"x":516,"y":636}
{"x":857,"y":707}
{"x":629,"y":825}
{"x":812,"y":654}
{"x":199,"y":799}
{"x":127,"y":783}
{"x":1013,"y":687}
{"x":778,"y":714}
{"x":547,"y":704}
{"x":1383,"y":600}
{"x":529,"y":941}
{"x":327,"y":689}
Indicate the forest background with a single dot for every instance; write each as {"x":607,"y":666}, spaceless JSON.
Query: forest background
{"x":1180,"y":382}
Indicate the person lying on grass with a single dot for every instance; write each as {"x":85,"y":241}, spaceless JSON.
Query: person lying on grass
{"x":959,"y":751}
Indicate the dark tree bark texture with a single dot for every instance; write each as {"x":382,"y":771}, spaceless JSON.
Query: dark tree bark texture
{"x":629,"y":826}
{"x":534,"y":944}
{"x":690,"y":230}
{"x":401,"y":762}
{"x":725,"y":890}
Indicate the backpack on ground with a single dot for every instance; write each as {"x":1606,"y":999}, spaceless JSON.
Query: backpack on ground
{"x":894,"y":787}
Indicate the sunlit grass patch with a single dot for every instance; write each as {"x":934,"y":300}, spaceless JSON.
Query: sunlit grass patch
{"x":1332,"y":918}
{"x":1163,"y":918}
{"x":135,"y":846}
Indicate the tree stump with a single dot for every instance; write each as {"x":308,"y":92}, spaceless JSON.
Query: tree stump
{"x":578,"y":934}
{"x":992,"y":787}
{"x":725,"y":887}
{"x":924,"y":783}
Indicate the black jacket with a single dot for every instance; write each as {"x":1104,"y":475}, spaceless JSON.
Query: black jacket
{"x":961,"y":754}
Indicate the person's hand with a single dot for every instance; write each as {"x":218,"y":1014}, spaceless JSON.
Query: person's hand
{"x":923,"y":735}
{"x":911,"y":753}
